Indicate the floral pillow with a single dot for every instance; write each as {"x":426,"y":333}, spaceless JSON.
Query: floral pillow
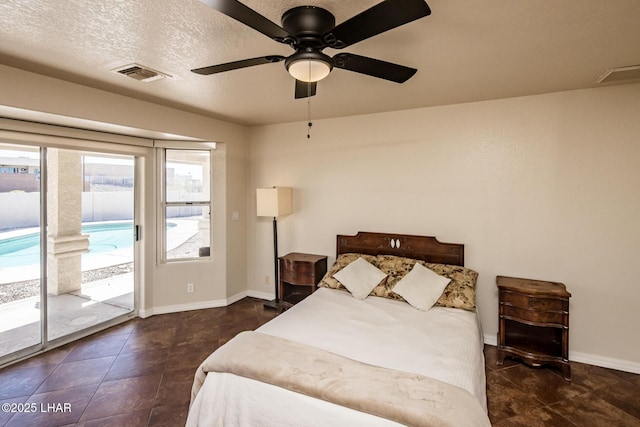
{"x":396,"y":268}
{"x":459,"y":293}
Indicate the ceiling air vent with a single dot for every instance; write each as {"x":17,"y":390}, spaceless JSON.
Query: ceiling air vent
{"x":140,"y":72}
{"x":620,"y":74}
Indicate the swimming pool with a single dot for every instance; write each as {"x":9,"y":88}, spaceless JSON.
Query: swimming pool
{"x":104,"y":237}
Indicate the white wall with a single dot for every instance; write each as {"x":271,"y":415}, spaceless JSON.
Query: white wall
{"x":543,"y":187}
{"x":21,"y":210}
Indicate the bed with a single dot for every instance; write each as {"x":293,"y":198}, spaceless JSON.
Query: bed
{"x":341,"y":358}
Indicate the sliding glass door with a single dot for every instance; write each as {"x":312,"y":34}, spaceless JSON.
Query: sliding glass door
{"x":90,"y":239}
{"x":77,"y":272}
{"x":20,"y":250}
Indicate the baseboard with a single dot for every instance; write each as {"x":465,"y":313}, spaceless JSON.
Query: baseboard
{"x":589,"y":359}
{"x":605,"y":362}
{"x":261,"y":295}
{"x":491,"y":340}
{"x":192,"y":306}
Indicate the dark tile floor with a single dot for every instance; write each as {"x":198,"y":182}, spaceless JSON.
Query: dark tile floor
{"x":540,"y":397}
{"x":140,"y":373}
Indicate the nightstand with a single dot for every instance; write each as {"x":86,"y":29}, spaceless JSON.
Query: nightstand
{"x":299,"y":275}
{"x":534,"y":322}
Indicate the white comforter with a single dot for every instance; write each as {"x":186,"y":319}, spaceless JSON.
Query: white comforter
{"x":442,"y":343}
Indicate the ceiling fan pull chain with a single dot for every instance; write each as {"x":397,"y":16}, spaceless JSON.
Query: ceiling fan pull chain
{"x":309,"y":124}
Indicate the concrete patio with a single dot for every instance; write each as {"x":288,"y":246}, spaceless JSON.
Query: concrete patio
{"x":94,"y":303}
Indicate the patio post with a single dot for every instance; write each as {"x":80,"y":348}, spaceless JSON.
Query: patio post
{"x":65,"y":241}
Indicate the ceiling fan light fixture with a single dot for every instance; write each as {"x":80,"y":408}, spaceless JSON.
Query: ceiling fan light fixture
{"x":309,"y":70}
{"x":309,"y":65}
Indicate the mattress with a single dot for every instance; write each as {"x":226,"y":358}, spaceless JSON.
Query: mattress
{"x":441,"y":343}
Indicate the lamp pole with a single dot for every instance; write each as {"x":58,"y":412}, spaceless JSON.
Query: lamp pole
{"x":275,"y":259}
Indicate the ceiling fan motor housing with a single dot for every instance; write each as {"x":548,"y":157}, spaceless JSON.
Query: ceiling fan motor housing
{"x":308,"y":54}
{"x":307,"y":25}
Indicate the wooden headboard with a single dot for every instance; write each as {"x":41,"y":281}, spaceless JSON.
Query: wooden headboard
{"x":424,"y":248}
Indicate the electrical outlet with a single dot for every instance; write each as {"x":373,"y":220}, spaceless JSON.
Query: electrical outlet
{"x":190,"y":287}
{"x":267,"y":280}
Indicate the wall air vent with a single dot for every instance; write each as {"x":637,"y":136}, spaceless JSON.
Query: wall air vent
{"x":140,"y":72}
{"x":620,"y":75}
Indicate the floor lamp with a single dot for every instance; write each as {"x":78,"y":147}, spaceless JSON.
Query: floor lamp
{"x":274,"y":202}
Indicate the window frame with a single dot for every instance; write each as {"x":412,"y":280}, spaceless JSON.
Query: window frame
{"x":163,"y":204}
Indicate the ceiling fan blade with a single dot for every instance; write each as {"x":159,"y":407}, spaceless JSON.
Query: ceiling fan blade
{"x":213,"y":69}
{"x":304,"y":89}
{"x":373,"y":67}
{"x":248,"y":17}
{"x":382,"y":17}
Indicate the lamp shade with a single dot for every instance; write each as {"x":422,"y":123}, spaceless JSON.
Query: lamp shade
{"x":273,"y":202}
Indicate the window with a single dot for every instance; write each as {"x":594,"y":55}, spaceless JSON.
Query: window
{"x":186,"y":203}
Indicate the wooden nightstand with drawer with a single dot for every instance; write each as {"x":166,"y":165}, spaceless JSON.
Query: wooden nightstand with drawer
{"x":299,"y":275}
{"x":534,"y":322}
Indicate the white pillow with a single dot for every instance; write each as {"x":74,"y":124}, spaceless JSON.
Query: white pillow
{"x":360,"y":277}
{"x":421,"y":287}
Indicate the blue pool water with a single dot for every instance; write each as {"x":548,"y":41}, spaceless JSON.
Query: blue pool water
{"x":25,"y":250}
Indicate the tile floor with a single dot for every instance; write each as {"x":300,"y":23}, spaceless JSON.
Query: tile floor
{"x":540,"y":397}
{"x":139,"y":374}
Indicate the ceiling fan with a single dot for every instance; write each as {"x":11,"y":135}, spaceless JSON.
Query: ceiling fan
{"x":310,"y":29}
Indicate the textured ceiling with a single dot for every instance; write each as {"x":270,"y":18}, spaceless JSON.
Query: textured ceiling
{"x":465,"y":51}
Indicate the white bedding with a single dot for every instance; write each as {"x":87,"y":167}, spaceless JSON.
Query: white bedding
{"x":442,"y":343}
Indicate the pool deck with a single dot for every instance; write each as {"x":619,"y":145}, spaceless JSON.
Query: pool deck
{"x":94,"y":303}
